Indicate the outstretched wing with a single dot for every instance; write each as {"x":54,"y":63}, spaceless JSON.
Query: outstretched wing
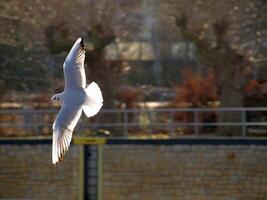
{"x":63,"y":127}
{"x":74,"y":66}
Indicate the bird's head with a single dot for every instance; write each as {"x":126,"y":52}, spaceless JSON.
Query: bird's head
{"x":56,"y":97}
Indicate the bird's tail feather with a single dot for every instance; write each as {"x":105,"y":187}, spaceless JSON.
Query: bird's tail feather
{"x":94,"y":100}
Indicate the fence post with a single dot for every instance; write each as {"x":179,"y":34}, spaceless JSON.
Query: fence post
{"x":244,"y":122}
{"x":196,"y":125}
{"x":36,"y":124}
{"x":125,"y":122}
{"x":28,"y":121}
{"x":170,"y":125}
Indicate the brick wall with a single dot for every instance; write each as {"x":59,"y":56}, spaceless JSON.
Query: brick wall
{"x":139,"y":172}
{"x":26,"y":172}
{"x":186,"y":172}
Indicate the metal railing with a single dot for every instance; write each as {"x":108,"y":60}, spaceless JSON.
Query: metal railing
{"x":126,"y":121}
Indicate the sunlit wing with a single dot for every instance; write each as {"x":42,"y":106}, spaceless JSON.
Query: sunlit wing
{"x":63,"y":127}
{"x":74,"y":66}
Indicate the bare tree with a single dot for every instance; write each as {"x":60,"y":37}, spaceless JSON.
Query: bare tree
{"x":228,"y":64}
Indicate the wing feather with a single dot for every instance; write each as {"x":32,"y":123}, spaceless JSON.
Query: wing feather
{"x":74,"y":66}
{"x":64,"y":125}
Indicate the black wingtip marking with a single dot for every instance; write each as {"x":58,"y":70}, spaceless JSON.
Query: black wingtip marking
{"x":82,"y":43}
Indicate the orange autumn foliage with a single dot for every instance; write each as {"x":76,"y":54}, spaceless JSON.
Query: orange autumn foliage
{"x":129,"y":96}
{"x":196,"y":90}
{"x":256,"y":93}
{"x":252,"y":88}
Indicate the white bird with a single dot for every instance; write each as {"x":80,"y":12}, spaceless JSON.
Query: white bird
{"x":75,"y":98}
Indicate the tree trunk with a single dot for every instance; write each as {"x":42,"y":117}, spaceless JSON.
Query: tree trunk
{"x":231,"y":83}
{"x":230,"y":98}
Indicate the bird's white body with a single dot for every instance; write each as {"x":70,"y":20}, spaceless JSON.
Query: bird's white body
{"x":75,"y":98}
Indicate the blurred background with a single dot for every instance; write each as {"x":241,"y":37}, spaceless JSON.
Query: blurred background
{"x":144,"y":55}
{"x":186,"y":73}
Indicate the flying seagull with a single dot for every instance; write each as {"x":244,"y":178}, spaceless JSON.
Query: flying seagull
{"x":75,"y":98}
